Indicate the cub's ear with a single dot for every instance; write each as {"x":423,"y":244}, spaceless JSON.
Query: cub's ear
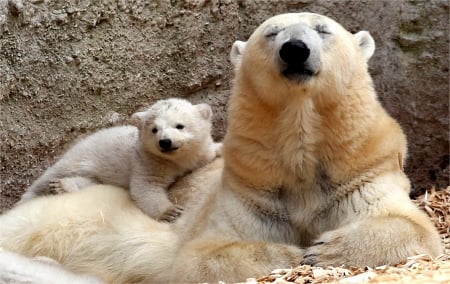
{"x":137,"y":119}
{"x":237,"y":50}
{"x":205,"y":110}
{"x":366,"y":42}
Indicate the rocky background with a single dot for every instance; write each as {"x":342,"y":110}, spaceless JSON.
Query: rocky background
{"x":70,"y":67}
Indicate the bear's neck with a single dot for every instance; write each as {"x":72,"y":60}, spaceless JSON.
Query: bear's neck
{"x":270,"y":144}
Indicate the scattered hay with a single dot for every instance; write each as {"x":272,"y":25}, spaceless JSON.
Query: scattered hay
{"x":415,"y":270}
{"x":437,"y":205}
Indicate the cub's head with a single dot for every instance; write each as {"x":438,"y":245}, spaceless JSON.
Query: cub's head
{"x":301,"y":49}
{"x":174,"y":128}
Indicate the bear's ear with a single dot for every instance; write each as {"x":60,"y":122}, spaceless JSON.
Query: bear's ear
{"x":237,"y":50}
{"x":137,"y":119}
{"x":366,"y":42}
{"x":205,"y":110}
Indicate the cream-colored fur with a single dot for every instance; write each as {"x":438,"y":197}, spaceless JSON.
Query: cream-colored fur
{"x":100,"y":231}
{"x":318,"y":154}
{"x":97,"y":231}
{"x":311,"y":160}
{"x":18,"y":269}
{"x":169,"y":139}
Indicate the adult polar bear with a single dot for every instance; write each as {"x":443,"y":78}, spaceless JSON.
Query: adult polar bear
{"x":311,"y":160}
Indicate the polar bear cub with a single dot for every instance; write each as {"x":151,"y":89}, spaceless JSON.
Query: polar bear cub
{"x":167,"y":140}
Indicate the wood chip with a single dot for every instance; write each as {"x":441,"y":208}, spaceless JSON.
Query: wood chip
{"x":415,"y":270}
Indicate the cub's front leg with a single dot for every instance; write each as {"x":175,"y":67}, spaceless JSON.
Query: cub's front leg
{"x":150,"y":195}
{"x":218,"y":146}
{"x":375,"y":241}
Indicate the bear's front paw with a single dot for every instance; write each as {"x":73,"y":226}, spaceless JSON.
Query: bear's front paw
{"x":171,"y":214}
{"x":330,"y":250}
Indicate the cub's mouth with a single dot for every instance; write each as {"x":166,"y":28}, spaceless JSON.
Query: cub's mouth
{"x":167,"y":146}
{"x":171,"y":150}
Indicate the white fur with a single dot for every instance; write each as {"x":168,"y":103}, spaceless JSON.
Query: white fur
{"x":236,"y":52}
{"x":366,"y":43}
{"x":132,"y":156}
{"x":15,"y":268}
{"x":102,"y":233}
{"x":311,"y":159}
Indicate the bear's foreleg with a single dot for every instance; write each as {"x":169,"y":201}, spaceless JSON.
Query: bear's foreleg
{"x":375,"y":241}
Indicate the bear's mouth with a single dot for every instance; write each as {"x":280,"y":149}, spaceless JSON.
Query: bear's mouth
{"x":298,"y":73}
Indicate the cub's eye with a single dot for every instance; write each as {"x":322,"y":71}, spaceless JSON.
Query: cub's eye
{"x":179,"y":126}
{"x":154,"y":130}
{"x":322,"y":29}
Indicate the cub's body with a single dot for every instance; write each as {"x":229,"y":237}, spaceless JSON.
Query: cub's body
{"x":169,"y":139}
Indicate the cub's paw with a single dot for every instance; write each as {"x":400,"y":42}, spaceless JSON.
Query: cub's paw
{"x":171,"y":214}
{"x":218,"y":149}
{"x":56,"y":187}
{"x":69,"y":184}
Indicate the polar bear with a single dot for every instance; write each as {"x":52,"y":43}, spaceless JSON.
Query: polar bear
{"x":319,"y":159}
{"x":167,"y":140}
{"x":312,"y":174}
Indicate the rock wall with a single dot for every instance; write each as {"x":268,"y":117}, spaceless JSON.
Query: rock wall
{"x":70,"y":67}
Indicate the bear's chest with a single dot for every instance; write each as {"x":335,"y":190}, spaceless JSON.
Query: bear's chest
{"x":298,"y":142}
{"x":309,"y":202}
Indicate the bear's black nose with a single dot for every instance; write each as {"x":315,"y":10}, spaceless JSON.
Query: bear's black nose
{"x":165,"y":144}
{"x":294,"y":53}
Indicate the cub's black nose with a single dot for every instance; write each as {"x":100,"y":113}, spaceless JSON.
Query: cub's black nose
{"x":165,"y":144}
{"x":294,"y":53}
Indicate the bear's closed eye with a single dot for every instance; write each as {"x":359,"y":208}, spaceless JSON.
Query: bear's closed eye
{"x":272,"y":31}
{"x":322,"y":29}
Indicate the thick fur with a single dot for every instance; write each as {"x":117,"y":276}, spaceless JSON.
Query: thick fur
{"x":318,"y":155}
{"x":102,"y":233}
{"x":311,"y":160}
{"x":132,"y":156}
{"x":18,"y":269}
